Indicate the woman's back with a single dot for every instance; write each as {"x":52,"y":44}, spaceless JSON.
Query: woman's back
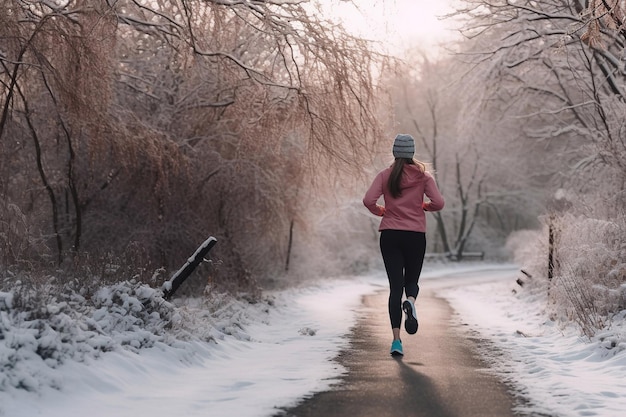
{"x":404,"y":212}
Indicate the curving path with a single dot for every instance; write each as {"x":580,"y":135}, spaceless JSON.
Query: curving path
{"x":439,"y":375}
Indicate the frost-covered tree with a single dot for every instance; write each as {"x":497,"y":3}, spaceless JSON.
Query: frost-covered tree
{"x":556,"y":66}
{"x":439,"y":102}
{"x":142,"y":127}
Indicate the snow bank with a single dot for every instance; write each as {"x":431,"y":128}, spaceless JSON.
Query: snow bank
{"x":557,"y":370}
{"x":35,"y":342}
{"x":133,"y":353}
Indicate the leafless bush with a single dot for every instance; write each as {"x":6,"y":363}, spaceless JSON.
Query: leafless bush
{"x":16,"y":241}
{"x":590,"y":268}
{"x":591,"y":255}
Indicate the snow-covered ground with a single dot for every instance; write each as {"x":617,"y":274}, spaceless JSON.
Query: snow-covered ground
{"x":253,"y":359}
{"x":241,"y":359}
{"x":559,"y":371}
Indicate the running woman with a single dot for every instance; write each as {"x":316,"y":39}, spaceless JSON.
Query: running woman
{"x":403,"y":186}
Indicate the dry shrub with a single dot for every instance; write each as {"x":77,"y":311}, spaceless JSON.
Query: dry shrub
{"x":588,"y":287}
{"x":15,"y":244}
{"x":592,"y":269}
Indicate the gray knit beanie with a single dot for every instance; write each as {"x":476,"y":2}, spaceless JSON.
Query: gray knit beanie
{"x":403,"y":146}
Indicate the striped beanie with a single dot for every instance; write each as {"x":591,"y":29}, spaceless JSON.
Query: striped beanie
{"x":404,"y":146}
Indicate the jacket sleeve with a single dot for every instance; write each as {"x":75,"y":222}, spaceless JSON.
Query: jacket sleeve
{"x":431,"y":190}
{"x":373,"y":194}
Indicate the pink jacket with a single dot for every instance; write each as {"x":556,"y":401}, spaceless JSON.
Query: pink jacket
{"x":405,"y":212}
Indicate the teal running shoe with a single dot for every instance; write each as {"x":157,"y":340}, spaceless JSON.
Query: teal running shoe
{"x":396,"y":348}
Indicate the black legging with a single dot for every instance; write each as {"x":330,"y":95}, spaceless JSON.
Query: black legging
{"x":403,"y":254}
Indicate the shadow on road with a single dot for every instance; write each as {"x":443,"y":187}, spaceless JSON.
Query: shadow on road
{"x":420,"y":393}
{"x":387,"y":387}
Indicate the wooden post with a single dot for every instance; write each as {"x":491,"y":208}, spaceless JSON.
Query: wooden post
{"x":556,"y":207}
{"x":289,"y":246}
{"x":551,"y":232}
{"x":170,"y":287}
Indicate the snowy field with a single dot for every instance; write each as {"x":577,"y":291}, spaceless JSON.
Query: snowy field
{"x":253,"y":359}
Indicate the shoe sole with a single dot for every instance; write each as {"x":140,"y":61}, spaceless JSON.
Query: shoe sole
{"x":397,"y":353}
{"x":410,"y":323}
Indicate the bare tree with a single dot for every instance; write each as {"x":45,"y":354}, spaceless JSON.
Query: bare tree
{"x":152,"y":125}
{"x":431,"y":104}
{"x":561,"y":71}
{"x":557,"y":65}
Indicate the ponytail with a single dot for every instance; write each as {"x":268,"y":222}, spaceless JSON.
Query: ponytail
{"x":396,"y":174}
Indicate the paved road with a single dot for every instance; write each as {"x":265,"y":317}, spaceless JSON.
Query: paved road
{"x":439,"y":375}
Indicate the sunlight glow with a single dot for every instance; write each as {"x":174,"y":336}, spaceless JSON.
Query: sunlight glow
{"x":396,"y":24}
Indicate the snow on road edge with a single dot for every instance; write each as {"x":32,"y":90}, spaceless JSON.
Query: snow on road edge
{"x":555,"y":369}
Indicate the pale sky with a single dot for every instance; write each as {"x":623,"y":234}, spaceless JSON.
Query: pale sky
{"x":397,"y":23}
